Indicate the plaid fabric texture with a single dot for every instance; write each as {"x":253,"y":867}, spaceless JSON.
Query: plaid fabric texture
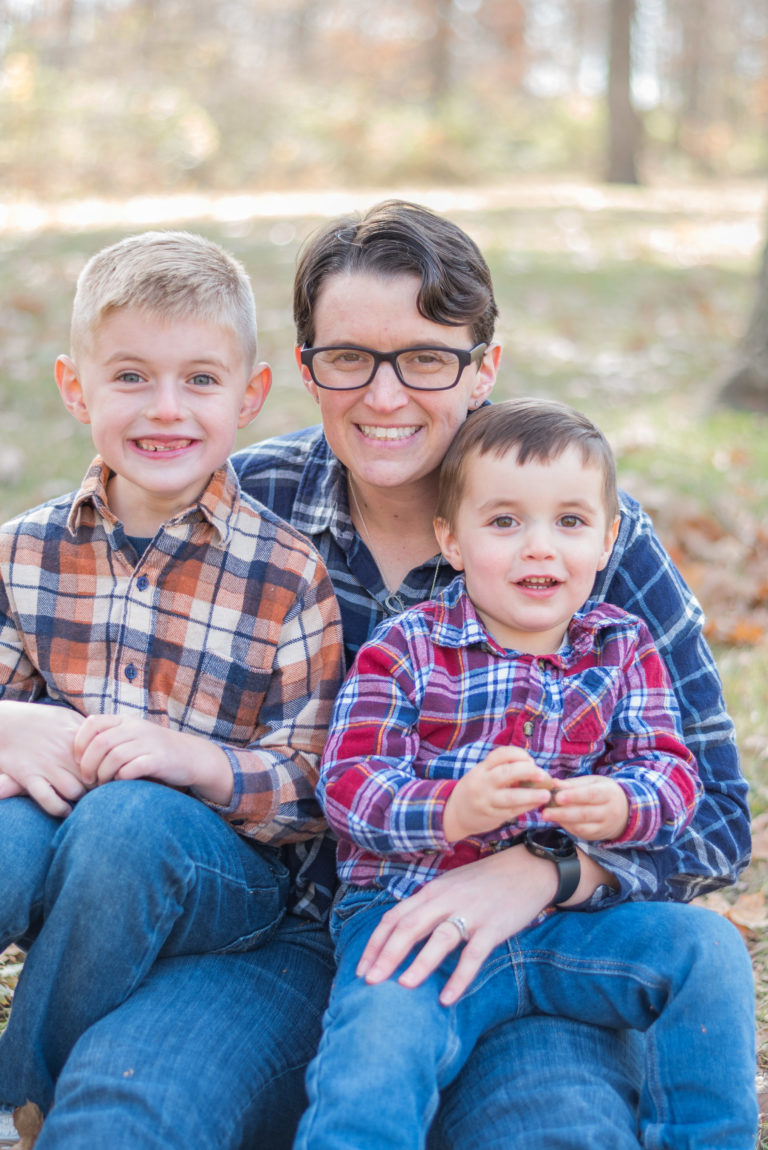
{"x":226,"y":627}
{"x":298,"y":476}
{"x":431,"y":694}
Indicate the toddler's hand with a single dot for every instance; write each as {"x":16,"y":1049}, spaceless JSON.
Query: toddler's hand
{"x":505,"y":785}
{"x":592,"y":807}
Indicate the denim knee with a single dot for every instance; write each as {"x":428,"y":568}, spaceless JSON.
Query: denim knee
{"x":26,"y":848}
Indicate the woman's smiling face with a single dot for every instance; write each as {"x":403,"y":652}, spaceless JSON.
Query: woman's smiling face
{"x":386,"y":434}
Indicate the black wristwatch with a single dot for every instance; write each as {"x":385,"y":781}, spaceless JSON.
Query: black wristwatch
{"x":559,"y":849}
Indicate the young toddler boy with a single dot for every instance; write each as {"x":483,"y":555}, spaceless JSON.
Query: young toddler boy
{"x":510,"y":710}
{"x":162,"y":633}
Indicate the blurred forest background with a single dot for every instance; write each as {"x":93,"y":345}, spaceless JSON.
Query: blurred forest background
{"x":128,"y":96}
{"x":610,"y":157}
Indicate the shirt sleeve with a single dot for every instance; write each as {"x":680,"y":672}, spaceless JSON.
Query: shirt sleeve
{"x":645,"y":753}
{"x":368,"y":783}
{"x":714,"y":849}
{"x":20,"y":680}
{"x":275,"y":776}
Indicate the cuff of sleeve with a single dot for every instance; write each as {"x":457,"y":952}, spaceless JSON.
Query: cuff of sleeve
{"x":237,"y":786}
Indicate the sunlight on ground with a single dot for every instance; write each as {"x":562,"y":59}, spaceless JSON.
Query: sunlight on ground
{"x":721,"y":220}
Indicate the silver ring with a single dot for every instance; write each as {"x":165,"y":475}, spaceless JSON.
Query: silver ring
{"x":460,"y":925}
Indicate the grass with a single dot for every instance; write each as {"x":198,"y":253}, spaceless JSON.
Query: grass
{"x":626,"y":303}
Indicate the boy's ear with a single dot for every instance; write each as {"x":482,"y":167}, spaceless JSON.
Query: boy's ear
{"x":448,"y":544}
{"x":610,"y":539}
{"x":309,"y":382}
{"x":486,"y":374}
{"x":70,"y":389}
{"x":256,"y":392}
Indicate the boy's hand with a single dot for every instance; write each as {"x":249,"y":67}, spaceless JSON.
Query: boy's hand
{"x":591,"y":807}
{"x":37,"y":755}
{"x":505,"y":785}
{"x":117,"y":747}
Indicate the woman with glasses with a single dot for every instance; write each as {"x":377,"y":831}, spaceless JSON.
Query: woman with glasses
{"x":395,"y":322}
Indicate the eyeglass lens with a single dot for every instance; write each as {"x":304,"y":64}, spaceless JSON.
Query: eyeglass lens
{"x":345,"y":367}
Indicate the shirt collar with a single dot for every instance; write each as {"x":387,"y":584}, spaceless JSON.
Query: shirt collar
{"x":457,"y":624}
{"x":218,"y":504}
{"x":322,"y":499}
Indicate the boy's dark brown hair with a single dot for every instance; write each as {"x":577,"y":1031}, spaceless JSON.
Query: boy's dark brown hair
{"x":537,"y":429}
{"x":394,"y":238}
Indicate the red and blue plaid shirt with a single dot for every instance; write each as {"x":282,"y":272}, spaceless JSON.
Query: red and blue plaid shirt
{"x":432,"y":693}
{"x":300,"y":478}
{"x":226,"y":627}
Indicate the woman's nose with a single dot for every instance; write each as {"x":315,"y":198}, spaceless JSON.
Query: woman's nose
{"x":386,"y":392}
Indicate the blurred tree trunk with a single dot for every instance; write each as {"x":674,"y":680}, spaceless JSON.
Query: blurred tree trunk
{"x":623,"y":121}
{"x":746,"y":386}
{"x":440,"y":51}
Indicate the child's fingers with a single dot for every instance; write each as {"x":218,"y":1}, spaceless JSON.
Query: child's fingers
{"x":47,"y":797}
{"x":9,"y":788}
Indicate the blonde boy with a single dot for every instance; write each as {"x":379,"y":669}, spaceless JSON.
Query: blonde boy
{"x":162,"y":633}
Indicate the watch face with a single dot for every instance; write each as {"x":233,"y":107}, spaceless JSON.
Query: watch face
{"x":552,"y":843}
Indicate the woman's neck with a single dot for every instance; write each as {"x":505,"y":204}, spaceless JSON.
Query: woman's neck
{"x":395,"y":525}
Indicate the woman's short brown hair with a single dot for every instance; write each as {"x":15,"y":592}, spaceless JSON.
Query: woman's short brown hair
{"x":392,"y":238}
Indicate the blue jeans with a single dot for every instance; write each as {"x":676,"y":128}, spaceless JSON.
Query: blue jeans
{"x":680,"y":973}
{"x":136,"y":872}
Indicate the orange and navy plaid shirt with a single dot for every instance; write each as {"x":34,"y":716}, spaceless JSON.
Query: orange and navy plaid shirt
{"x":226,"y":627}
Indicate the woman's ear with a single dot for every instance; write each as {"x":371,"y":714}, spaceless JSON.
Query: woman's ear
{"x":448,"y":544}
{"x":306,"y":376}
{"x":70,"y":388}
{"x":486,"y":375}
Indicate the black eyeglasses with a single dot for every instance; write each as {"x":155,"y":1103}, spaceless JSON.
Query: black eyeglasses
{"x":420,"y":368}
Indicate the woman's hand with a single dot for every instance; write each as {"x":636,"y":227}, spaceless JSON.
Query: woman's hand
{"x":495,"y":897}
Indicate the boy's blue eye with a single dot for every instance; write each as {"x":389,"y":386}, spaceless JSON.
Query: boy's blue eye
{"x":202,"y":379}
{"x":129,"y":377}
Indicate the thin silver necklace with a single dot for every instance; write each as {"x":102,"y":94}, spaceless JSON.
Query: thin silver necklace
{"x":393,"y":602}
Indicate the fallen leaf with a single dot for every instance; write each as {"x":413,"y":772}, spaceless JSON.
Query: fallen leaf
{"x":760,"y":837}
{"x":749,"y":911}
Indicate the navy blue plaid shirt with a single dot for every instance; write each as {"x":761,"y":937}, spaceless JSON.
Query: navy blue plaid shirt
{"x":299,"y":478}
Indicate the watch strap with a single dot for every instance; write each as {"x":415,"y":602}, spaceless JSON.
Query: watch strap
{"x":566,"y":860}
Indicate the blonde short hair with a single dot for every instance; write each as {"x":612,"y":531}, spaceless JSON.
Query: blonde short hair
{"x":174,"y":275}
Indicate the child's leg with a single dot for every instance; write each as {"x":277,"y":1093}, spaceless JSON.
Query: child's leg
{"x":26,"y":837}
{"x":138,"y":870}
{"x":374,"y":1081}
{"x":210,"y":1051}
{"x":683,"y":975}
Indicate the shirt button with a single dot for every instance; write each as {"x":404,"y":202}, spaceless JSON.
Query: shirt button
{"x":142,"y":582}
{"x":528,"y":728}
{"x":131,"y":672}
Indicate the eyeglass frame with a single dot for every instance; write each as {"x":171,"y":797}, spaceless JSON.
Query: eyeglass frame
{"x":465,"y":358}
